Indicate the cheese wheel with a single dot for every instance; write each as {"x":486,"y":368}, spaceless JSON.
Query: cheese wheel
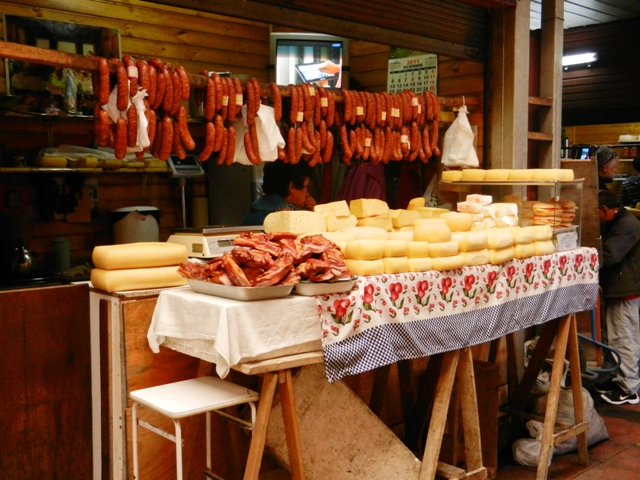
{"x":432,"y":233}
{"x":501,"y":255}
{"x":417,"y":249}
{"x":431,"y":212}
{"x":540,"y":232}
{"x":414,"y":203}
{"x":544,"y":247}
{"x":394,"y":248}
{"x":524,"y":250}
{"x":365,"y":267}
{"x":458,"y":221}
{"x":420,"y":264}
{"x":380,"y":221}
{"x":469,"y":241}
{"x":430,"y":221}
{"x":366,"y":232}
{"x":473,"y":258}
{"x":136,"y":278}
{"x":546,"y":174}
{"x":499,"y":238}
{"x":406,"y":235}
{"x":335,"y":223}
{"x":473,"y":175}
{"x":451,"y":175}
{"x":364,"y":250}
{"x":447,"y":263}
{"x":569,"y":175}
{"x":138,"y":255}
{"x":521,"y":235}
{"x":338,"y":209}
{"x":298,"y":221}
{"x":395,"y":264}
{"x":404,"y":218}
{"x":497,"y":175}
{"x":337,"y":237}
{"x":368,"y":207}
{"x":521,"y":174}
{"x":443,"y":249}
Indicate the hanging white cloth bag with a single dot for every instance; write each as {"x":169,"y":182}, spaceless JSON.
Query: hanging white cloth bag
{"x":458,"y":148}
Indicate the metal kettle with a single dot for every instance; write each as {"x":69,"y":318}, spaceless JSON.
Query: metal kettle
{"x":22,"y":263}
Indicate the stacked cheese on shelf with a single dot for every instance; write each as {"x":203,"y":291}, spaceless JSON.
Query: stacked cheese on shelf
{"x":137,"y":266}
{"x":336,"y":215}
{"x":487,"y":214}
{"x":371,"y":212}
{"x":296,"y":221}
{"x":505,"y":174}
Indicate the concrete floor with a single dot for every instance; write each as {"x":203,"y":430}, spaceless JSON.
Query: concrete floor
{"x":617,"y":458}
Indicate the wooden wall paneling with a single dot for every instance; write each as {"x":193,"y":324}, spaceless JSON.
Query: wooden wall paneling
{"x":600,"y":134}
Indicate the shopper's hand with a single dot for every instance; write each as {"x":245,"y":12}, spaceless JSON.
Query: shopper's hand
{"x":329,"y":67}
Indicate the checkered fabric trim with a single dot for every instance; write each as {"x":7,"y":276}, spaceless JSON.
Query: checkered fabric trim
{"x":389,"y":343}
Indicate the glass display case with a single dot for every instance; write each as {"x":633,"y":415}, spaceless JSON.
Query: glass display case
{"x":525,"y":194}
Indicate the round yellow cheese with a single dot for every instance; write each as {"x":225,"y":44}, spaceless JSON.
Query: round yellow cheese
{"x":366,"y":232}
{"x":451,"y":175}
{"x":432,"y":233}
{"x":473,"y":175}
{"x":569,"y":174}
{"x":473,"y":258}
{"x":365,"y":267}
{"x":521,"y":235}
{"x":544,"y":247}
{"x":501,"y":255}
{"x":443,"y":249}
{"x":406,"y":235}
{"x":524,"y":250}
{"x":364,"y":249}
{"x":540,"y":232}
{"x":546,"y":174}
{"x":430,"y":221}
{"x":420,"y":264}
{"x":458,"y":221}
{"x":138,"y":255}
{"x":497,"y":175}
{"x":431,"y":212}
{"x":417,"y":249}
{"x":521,"y":174}
{"x":498,"y":238}
{"x":469,"y":241}
{"x":414,"y":203}
{"x":447,"y":263}
{"x":394,"y":248}
{"x":395,"y":264}
{"x":337,"y":237}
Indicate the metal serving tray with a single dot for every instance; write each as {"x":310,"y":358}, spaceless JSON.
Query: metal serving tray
{"x":244,"y":294}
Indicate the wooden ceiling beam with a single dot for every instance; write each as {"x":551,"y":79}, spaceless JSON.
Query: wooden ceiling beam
{"x":279,"y":15}
{"x":489,"y":4}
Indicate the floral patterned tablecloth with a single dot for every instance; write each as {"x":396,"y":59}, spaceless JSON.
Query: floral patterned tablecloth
{"x":387,"y":318}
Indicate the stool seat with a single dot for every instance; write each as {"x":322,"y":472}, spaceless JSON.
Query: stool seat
{"x":193,"y":396}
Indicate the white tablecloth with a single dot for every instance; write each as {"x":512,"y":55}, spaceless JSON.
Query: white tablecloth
{"x":228,"y":332}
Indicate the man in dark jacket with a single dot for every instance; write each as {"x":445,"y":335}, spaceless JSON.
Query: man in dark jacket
{"x":630,"y":188}
{"x":620,"y":283}
{"x":607,"y":161}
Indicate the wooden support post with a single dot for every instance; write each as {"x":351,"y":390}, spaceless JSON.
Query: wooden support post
{"x":290,"y":420}
{"x":256,"y":449}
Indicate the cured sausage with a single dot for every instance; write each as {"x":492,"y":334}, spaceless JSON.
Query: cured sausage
{"x":161,"y":86}
{"x":324,"y":102}
{"x":176,"y":144}
{"x":257,"y":93}
{"x":183,"y":129}
{"x":132,"y":126}
{"x":306,"y":142}
{"x":219,"y":133}
{"x":426,"y":143}
{"x":293,"y":108}
{"x":219,"y":91}
{"x":120,"y":148}
{"x":367,"y":147}
{"x":177,"y":92}
{"x":225,"y":98}
{"x":248,"y":147}
{"x":167,"y":101}
{"x":429,"y":101}
{"x":132,"y":74}
{"x":298,"y":155}
{"x":166,"y":141}
{"x":210,"y":133}
{"x":277,"y":101}
{"x":317,"y":111}
{"x":155,"y":148}
{"x":151,"y":126}
{"x":347,"y":103}
{"x":102,"y":125}
{"x":328,"y":148}
{"x":143,"y":75}
{"x":253,"y":130}
{"x":347,"y":153}
{"x":199,"y":93}
{"x":103,"y":73}
{"x":282,"y":154}
{"x":231,"y":104}
{"x":209,"y":100}
{"x":222,"y":155}
{"x":237,"y":84}
{"x":157,"y":63}
{"x":331,"y":108}
{"x":184,"y":82}
{"x":291,"y":144}
{"x":322,"y":128}
{"x":153,"y":84}
{"x":122,"y":99}
{"x":251,"y":105}
{"x":231,"y":146}
{"x":308,"y":106}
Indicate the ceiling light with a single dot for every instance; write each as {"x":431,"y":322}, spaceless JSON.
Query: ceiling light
{"x":579,"y":59}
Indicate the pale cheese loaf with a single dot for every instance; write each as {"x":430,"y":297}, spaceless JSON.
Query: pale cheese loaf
{"x":499,"y":238}
{"x":299,"y":221}
{"x":431,"y":212}
{"x":432,"y":233}
{"x":338,"y":209}
{"x":414,"y":203}
{"x":430,"y":221}
{"x":521,"y":235}
{"x":365,"y":267}
{"x":496,"y":175}
{"x":417,"y":249}
{"x":501,"y":255}
{"x":404,"y":218}
{"x":458,"y":221}
{"x":406,"y":234}
{"x":540,"y":232}
{"x":544,"y":247}
{"x":451,"y":175}
{"x":395,"y":264}
{"x":138,"y":255}
{"x":336,"y":237}
{"x":394,"y":248}
{"x":368,"y":207}
{"x":469,"y":241}
{"x":335,"y":223}
{"x":524,"y":250}
{"x":473,"y":175}
{"x":443,"y":249}
{"x":473,"y":258}
{"x":420,"y":264}
{"x":379,"y":221}
{"x":447,"y":263}
{"x":520,"y":174}
{"x":364,"y":250}
{"x":136,"y":278}
{"x":366,"y":232}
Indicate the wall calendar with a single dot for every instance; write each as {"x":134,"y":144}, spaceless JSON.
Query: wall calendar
{"x":413,"y":73}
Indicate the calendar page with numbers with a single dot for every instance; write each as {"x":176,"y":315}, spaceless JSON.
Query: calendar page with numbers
{"x":413,"y":73}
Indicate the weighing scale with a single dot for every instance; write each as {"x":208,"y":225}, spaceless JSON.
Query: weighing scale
{"x":188,"y":167}
{"x":209,"y":242}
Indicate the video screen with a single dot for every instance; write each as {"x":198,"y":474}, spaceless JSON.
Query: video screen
{"x":319,"y":62}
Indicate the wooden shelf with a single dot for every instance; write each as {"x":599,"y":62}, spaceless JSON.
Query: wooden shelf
{"x":540,"y":137}
{"x":543,"y":102}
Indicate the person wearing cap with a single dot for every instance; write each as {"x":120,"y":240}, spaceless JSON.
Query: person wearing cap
{"x":630,"y":188}
{"x":607,"y":161}
{"x":620,"y":283}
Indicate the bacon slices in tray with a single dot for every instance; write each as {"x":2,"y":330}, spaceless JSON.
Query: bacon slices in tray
{"x":265,"y":259}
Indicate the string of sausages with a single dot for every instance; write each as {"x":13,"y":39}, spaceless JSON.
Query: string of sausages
{"x":373,"y":127}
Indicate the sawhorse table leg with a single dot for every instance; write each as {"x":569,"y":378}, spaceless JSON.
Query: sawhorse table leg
{"x":456,"y":365}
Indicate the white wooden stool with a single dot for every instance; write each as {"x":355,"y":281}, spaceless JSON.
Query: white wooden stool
{"x":186,"y":398}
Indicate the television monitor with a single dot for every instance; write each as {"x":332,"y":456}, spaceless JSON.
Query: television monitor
{"x":309,"y":57}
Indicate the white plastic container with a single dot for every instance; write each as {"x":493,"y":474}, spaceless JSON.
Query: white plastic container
{"x":135,"y":224}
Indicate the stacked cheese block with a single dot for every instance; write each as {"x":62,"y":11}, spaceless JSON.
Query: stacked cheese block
{"x":487,"y":214}
{"x":137,"y":266}
{"x":505,"y":174}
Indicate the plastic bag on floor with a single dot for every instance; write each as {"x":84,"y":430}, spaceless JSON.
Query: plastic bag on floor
{"x":526,"y":451}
